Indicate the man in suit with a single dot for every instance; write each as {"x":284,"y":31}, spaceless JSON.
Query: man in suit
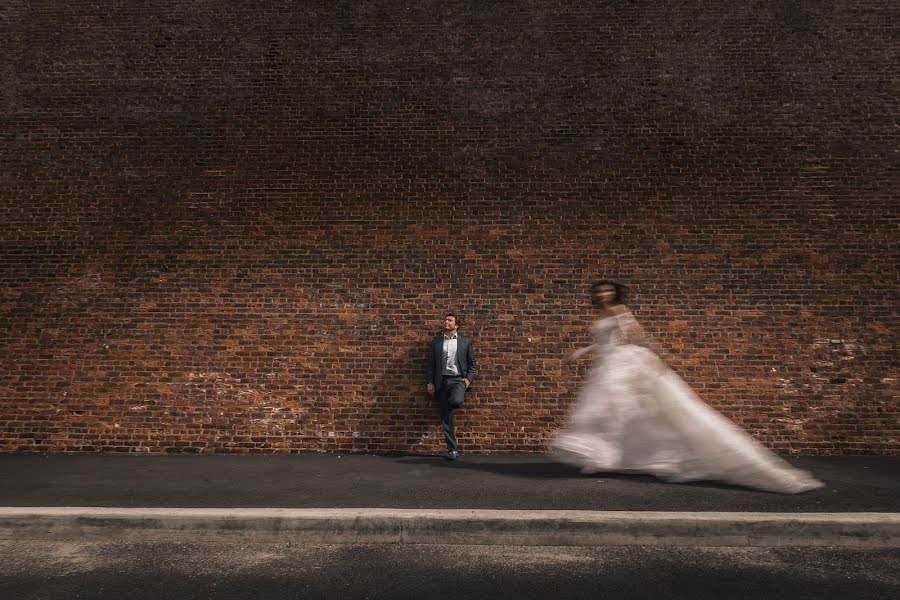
{"x":451,"y":369}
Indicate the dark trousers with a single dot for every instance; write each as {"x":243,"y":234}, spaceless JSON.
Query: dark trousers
{"x":450,"y":397}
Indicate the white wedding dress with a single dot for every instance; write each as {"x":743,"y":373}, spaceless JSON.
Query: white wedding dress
{"x":635,"y":415}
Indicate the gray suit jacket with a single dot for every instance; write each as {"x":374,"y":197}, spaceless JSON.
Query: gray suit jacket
{"x":465,"y":359}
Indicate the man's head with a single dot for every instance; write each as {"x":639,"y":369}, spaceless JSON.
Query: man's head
{"x":451,"y":324}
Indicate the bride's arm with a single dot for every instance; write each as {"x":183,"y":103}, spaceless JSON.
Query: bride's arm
{"x":580,"y":352}
{"x":636,"y":335}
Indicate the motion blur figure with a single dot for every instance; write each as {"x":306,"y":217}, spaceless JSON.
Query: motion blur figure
{"x":635,"y":415}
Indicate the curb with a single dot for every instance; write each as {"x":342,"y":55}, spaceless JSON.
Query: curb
{"x":459,"y":526}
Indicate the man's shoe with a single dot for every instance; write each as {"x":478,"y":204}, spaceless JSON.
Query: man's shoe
{"x":452,"y":455}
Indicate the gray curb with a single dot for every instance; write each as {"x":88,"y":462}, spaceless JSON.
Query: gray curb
{"x":460,"y":526}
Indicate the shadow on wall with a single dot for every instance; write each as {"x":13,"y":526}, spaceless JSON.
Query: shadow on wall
{"x":399,"y":413}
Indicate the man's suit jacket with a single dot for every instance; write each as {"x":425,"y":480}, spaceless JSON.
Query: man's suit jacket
{"x":465,"y":360}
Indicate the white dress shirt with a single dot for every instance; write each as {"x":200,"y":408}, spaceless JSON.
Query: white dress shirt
{"x":450,"y":345}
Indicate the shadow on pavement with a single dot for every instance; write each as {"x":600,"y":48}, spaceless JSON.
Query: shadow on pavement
{"x":541,"y":470}
{"x":552,"y":470}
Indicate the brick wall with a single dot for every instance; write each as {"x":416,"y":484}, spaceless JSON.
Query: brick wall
{"x":229,"y":227}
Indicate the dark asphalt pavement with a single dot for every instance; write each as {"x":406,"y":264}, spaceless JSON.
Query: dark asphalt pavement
{"x":236,"y":570}
{"x":524,"y":481}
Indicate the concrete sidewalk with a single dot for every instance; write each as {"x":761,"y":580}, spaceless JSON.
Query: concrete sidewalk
{"x":417,"y":499}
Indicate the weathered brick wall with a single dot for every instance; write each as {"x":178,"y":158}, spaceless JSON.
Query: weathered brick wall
{"x":232,"y":227}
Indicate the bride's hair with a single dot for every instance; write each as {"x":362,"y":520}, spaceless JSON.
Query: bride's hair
{"x":621,"y":290}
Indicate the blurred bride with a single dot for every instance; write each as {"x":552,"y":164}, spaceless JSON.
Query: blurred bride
{"x":635,"y":415}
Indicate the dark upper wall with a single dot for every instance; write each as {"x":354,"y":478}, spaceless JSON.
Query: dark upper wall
{"x":234,"y":228}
